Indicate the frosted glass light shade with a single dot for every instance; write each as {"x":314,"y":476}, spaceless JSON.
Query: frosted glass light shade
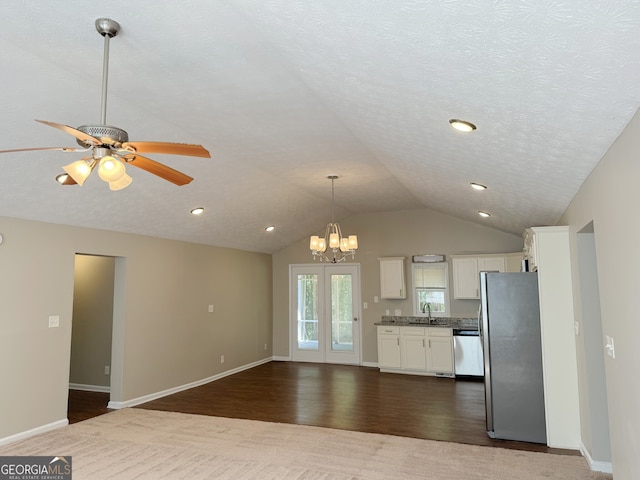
{"x":334,"y":240}
{"x":314,"y":242}
{"x":322,"y":245}
{"x":123,"y":182}
{"x":111,"y":169}
{"x":78,"y":170}
{"x":353,"y":242}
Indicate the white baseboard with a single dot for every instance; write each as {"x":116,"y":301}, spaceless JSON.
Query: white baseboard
{"x":89,"y":388}
{"x":595,"y":465}
{"x":34,"y":431}
{"x":154,"y":396}
{"x":288,"y":359}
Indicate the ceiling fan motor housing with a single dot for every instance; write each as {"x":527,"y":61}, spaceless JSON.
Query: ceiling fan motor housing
{"x":106,"y":133}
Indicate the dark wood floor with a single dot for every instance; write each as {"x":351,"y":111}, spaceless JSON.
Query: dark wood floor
{"x":335,"y":396}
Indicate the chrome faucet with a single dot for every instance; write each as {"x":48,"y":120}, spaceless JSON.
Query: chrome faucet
{"x":429,"y":309}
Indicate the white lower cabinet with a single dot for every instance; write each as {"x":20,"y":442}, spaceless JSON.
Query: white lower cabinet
{"x":440,"y":350}
{"x":413,"y":348}
{"x":389,"y":347}
{"x":416,"y":350}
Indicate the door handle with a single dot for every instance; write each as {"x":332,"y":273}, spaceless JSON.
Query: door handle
{"x":355,"y":319}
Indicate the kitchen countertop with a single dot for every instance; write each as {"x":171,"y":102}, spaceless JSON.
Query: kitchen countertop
{"x":444,"y":322}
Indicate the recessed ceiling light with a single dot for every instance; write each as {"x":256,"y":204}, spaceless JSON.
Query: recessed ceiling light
{"x":62,"y":178}
{"x":484,"y":214}
{"x":462,"y":125}
{"x":478,"y":186}
{"x":270,"y":228}
{"x":197,"y":211}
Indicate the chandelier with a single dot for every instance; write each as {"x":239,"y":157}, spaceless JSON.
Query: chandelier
{"x":341,"y":247}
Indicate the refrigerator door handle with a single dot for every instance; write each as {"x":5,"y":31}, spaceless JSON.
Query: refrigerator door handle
{"x":483,"y":326}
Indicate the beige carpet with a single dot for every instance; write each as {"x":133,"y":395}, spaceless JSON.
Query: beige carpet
{"x":148,"y":444}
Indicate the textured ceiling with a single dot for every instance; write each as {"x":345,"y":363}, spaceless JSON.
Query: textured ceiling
{"x":283,"y":93}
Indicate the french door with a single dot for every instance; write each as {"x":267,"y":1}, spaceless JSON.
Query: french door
{"x":324,"y":313}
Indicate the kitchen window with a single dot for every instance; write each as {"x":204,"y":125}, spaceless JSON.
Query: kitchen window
{"x":430,"y":289}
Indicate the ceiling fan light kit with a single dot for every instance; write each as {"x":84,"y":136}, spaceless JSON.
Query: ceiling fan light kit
{"x":110,"y":146}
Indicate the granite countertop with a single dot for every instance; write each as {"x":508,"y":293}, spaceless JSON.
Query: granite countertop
{"x":445,"y":322}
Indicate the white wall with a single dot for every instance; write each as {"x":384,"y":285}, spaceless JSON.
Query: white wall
{"x":165,"y":333}
{"x":610,"y":197}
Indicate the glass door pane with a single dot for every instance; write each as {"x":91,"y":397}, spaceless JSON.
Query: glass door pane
{"x":341,"y":313}
{"x":308,"y":311}
{"x":324,"y":311}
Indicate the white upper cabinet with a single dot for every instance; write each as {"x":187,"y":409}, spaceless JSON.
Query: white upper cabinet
{"x":467,"y":268}
{"x":465,"y":277}
{"x":392,"y":278}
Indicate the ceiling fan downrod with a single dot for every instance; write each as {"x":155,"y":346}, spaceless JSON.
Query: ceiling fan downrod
{"x":107,"y":28}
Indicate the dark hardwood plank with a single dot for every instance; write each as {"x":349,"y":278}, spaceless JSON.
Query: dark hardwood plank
{"x":83,"y":405}
{"x":348,"y":398}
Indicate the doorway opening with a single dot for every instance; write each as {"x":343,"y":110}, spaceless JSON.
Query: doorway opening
{"x":95,"y":373}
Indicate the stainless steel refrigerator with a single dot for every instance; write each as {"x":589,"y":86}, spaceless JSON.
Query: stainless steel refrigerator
{"x":510,"y":332}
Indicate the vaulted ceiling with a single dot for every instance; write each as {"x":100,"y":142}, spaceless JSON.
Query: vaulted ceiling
{"x":284,"y":93}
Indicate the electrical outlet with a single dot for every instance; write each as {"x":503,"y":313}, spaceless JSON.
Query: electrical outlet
{"x":221,"y":358}
{"x":210,"y":308}
{"x":107,"y":369}
{"x":54,"y":321}
{"x":375,"y":299}
{"x":365,"y":305}
{"x":265,"y":346}
{"x":398,"y":312}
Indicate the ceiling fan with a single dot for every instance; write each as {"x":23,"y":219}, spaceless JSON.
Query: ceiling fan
{"x":110,"y":147}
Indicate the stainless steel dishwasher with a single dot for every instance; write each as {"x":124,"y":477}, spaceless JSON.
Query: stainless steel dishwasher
{"x":467,"y":347}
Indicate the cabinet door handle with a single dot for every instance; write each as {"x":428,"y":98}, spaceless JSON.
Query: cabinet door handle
{"x":429,"y":343}
{"x":398,"y":341}
{"x":423,"y":345}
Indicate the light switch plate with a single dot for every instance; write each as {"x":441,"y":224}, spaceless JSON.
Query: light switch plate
{"x":54,"y":321}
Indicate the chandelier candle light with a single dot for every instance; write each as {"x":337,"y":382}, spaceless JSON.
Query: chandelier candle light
{"x":341,"y":247}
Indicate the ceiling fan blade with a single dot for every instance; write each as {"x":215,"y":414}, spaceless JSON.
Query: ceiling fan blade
{"x":159,"y":169}
{"x":88,"y":139}
{"x":168,"y":148}
{"x":61,"y":149}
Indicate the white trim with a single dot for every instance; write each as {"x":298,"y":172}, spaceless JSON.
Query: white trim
{"x":34,"y":431}
{"x":282,"y":359}
{"x":89,"y":388}
{"x":596,"y":466}
{"x":154,"y":396}
{"x":370,"y":364}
